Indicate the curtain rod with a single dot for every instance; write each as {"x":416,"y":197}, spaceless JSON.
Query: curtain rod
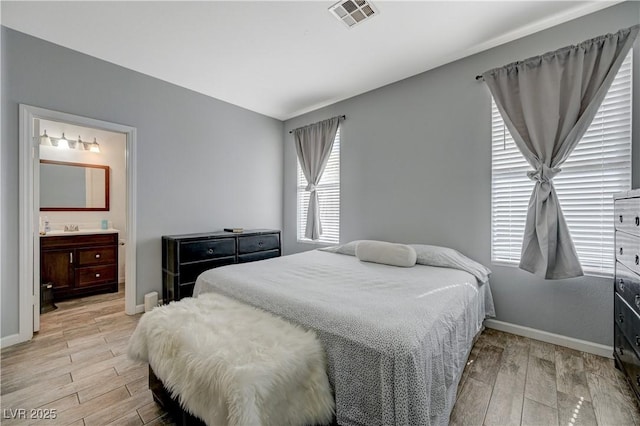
{"x":344,"y":117}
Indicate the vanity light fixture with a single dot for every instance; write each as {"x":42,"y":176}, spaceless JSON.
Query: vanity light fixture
{"x":65,"y":143}
{"x":94,"y":146}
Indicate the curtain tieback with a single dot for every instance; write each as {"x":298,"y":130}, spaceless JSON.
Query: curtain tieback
{"x":311,"y":188}
{"x":543,"y":173}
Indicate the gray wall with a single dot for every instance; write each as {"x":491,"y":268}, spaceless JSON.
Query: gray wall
{"x":416,"y":167}
{"x":203,"y":164}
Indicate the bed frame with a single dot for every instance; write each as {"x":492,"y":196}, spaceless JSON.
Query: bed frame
{"x":162,"y":396}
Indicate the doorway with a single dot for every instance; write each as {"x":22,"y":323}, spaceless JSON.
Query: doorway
{"x":33,"y":147}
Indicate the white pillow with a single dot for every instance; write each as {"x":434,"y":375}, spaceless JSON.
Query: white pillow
{"x":347,"y":248}
{"x":386,"y":253}
{"x":449,"y":258}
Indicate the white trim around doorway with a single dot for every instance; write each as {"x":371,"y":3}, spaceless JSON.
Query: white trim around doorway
{"x":28,"y":232}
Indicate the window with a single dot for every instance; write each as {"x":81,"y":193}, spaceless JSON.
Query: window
{"x":599,"y":167}
{"x":329,"y":198}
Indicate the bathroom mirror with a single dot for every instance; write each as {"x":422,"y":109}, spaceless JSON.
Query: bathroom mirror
{"x":73,"y":186}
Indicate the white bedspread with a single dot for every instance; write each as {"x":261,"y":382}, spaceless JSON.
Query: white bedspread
{"x":396,"y":338}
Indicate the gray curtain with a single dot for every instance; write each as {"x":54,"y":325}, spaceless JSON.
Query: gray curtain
{"x":313,"y":146}
{"x":547,"y":103}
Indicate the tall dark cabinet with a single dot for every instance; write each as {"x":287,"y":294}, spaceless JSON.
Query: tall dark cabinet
{"x":184,"y":257}
{"x":626,"y":292}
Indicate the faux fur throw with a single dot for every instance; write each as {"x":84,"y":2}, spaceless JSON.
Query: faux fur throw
{"x":231,"y":364}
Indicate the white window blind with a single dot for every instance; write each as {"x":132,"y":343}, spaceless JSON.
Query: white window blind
{"x":329,"y":198}
{"x":599,"y":166}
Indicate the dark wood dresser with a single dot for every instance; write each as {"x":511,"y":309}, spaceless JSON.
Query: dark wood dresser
{"x":626,"y":293}
{"x":184,"y":257}
{"x":78,"y":265}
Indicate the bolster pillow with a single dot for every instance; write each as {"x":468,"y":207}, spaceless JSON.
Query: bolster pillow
{"x":386,"y":253}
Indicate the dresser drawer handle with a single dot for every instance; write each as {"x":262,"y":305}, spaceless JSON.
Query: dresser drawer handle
{"x":620,"y":218}
{"x":621,"y":285}
{"x":637,"y":340}
{"x":260,"y":243}
{"x":620,"y":350}
{"x":621,"y":318}
{"x":637,"y":221}
{"x":620,"y":251}
{"x":210,"y":251}
{"x":98,"y":256}
{"x":637,"y":260}
{"x":97,"y":275}
{"x":638,"y":379}
{"x":638,"y":300}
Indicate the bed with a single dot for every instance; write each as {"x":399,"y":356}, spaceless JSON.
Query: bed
{"x":397,"y":339}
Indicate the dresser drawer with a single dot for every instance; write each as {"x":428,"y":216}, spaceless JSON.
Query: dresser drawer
{"x":189,"y":272}
{"x":97,"y":256}
{"x":207,"y":249}
{"x":628,"y":358}
{"x":259,"y":255}
{"x":185,"y":290}
{"x":254,"y":243}
{"x":628,"y":321}
{"x":627,"y":285}
{"x":96,"y":275}
{"x":628,"y":250}
{"x":627,"y":215}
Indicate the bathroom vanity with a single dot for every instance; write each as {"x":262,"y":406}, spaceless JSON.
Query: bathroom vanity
{"x":79,"y":263}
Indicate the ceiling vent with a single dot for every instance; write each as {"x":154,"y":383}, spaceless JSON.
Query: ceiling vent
{"x":353,"y":12}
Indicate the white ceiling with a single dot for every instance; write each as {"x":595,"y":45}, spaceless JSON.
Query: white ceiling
{"x":283,"y":59}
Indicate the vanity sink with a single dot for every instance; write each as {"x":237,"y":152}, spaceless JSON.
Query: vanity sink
{"x":80,"y":232}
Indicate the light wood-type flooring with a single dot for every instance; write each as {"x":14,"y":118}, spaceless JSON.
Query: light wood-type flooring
{"x":512,"y":380}
{"x":77,"y":366}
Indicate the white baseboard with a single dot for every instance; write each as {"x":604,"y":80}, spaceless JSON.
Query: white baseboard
{"x":140,"y":308}
{"x":556,"y":339}
{"x":10,"y":340}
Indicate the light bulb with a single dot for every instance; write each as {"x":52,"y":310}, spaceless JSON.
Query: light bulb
{"x":63,"y":142}
{"x":94,"y":146}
